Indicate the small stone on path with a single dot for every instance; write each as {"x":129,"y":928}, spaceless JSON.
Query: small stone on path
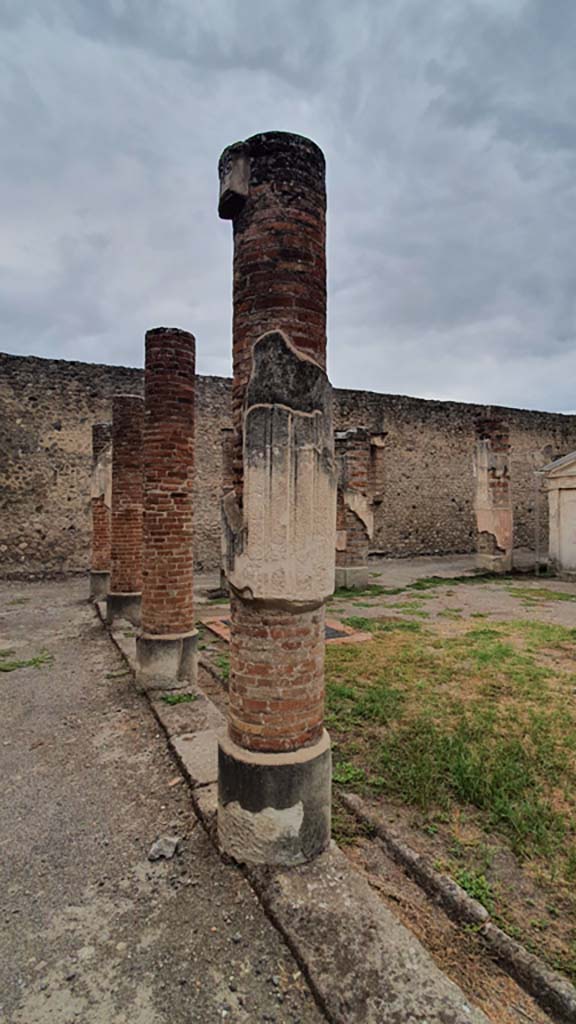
{"x":164,"y":848}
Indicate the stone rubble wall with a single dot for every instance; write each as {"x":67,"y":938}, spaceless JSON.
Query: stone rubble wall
{"x":47,"y":408}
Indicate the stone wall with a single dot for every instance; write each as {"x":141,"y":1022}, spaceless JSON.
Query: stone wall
{"x":47,"y":408}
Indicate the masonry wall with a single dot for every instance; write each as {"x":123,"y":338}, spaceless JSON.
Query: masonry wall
{"x":47,"y":408}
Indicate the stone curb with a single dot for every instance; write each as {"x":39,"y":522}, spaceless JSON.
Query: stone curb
{"x":551,"y":990}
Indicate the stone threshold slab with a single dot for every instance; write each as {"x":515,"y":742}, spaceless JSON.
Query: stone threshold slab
{"x":363,"y":965}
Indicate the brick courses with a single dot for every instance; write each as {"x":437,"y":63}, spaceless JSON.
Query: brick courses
{"x":277,"y":678}
{"x":279,"y":283}
{"x":279,"y":275}
{"x":101,"y":526}
{"x":127,"y":492}
{"x":168,"y":477}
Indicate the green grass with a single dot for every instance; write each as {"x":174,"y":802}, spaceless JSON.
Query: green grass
{"x":477,"y":886}
{"x":178,"y":698}
{"x":475,"y":720}
{"x":121,"y":673}
{"x":364,"y":625}
{"x":372,"y":590}
{"x":9,"y":664}
{"x":223,"y":665}
{"x":18,"y":600}
{"x":539,"y":595}
{"x":411,"y":608}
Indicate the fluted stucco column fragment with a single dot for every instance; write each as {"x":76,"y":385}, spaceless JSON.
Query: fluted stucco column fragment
{"x":279,"y":516}
{"x":493,"y":499}
{"x":101,"y":500}
{"x":125,"y":595}
{"x":166,"y":647}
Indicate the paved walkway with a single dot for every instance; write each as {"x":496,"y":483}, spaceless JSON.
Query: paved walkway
{"x":91,"y":931}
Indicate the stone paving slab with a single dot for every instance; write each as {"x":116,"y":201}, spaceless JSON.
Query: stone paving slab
{"x":367,"y":967}
{"x":199,"y":755}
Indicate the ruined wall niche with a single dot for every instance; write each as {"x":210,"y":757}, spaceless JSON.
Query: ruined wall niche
{"x":355,"y":506}
{"x":426,"y":462}
{"x":493,"y":500}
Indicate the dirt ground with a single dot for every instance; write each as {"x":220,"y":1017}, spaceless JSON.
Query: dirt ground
{"x":92,"y":931}
{"x":526,"y":905}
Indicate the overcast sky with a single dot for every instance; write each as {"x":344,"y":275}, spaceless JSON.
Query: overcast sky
{"x":449,"y":128}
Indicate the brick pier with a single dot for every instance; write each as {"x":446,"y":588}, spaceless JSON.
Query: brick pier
{"x":166,"y":648}
{"x":101,"y":499}
{"x":124,"y":598}
{"x":279,"y":511}
{"x":493,"y":500}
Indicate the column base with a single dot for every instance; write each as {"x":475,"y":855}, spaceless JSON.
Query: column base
{"x":274,"y":808}
{"x":99,"y":585}
{"x":352,"y":577}
{"x":494,"y":563}
{"x":167,"y":661}
{"x":123,"y":606}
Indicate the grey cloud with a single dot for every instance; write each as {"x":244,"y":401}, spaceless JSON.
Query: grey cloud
{"x":449,"y":140}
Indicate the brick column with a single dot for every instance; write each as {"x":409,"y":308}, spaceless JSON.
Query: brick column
{"x":354,"y":512}
{"x":279,"y":518}
{"x":124,"y":598}
{"x":101,"y":497}
{"x":166,"y":648}
{"x":493,"y":500}
{"x":227,"y":449}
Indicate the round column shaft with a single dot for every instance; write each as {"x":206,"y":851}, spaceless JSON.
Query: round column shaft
{"x":101,"y":498}
{"x":124,"y":598}
{"x":166,"y":648}
{"x":279,"y":517}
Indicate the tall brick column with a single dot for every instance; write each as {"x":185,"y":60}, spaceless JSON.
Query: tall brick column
{"x":280,"y":517}
{"x":354,"y":515}
{"x":101,"y":498}
{"x":227,"y":448}
{"x":166,"y":648}
{"x":124,"y":598}
{"x":493,"y":500}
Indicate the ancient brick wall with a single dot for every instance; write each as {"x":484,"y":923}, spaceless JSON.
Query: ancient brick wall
{"x":425,"y":467}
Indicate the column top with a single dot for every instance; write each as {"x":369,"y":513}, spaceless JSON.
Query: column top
{"x":268,"y":157}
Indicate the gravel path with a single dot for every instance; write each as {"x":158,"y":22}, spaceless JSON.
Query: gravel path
{"x":92,"y":932}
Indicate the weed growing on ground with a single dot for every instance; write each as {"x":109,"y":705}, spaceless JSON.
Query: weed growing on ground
{"x":10,"y":665}
{"x":477,"y":886}
{"x":18,"y":600}
{"x":121,"y":673}
{"x":223,"y":664}
{"x":178,"y":698}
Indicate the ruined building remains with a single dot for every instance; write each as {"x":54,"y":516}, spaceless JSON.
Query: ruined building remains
{"x":166,"y":647}
{"x":125,"y":594}
{"x":101,"y":501}
{"x":354,"y":510}
{"x":424,"y":502}
{"x":279,"y":517}
{"x":493,"y":503}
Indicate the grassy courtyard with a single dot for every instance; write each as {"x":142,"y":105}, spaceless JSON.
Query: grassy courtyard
{"x":458,"y":717}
